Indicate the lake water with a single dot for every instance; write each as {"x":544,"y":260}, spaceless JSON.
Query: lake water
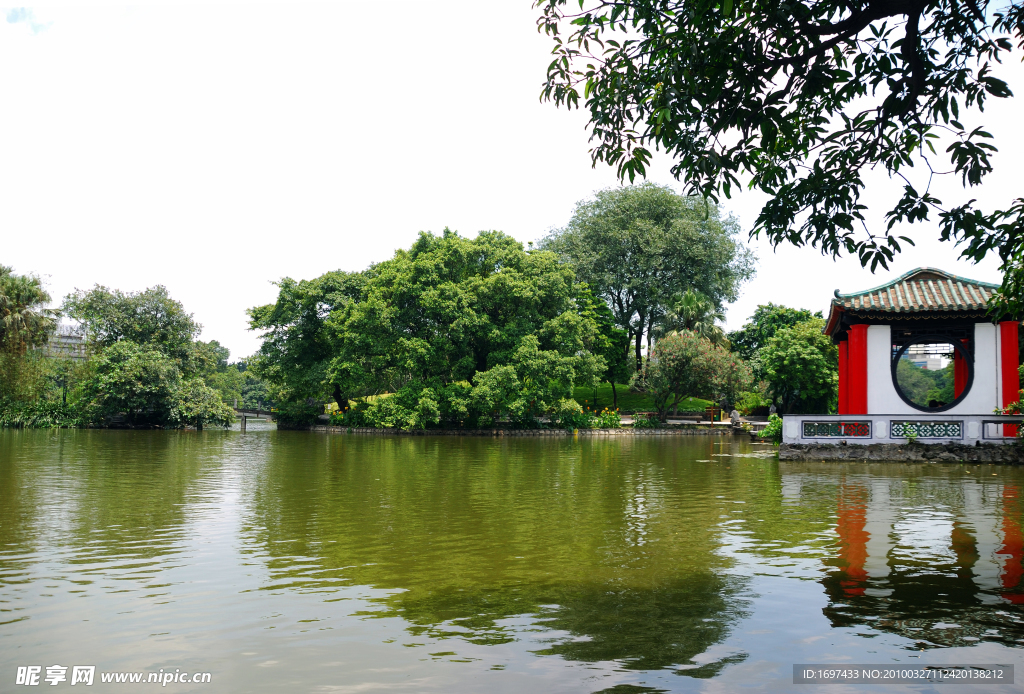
{"x":295,"y":561}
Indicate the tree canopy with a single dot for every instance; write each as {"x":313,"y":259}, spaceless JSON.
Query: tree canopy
{"x":694,"y":311}
{"x":142,"y":384}
{"x":767,"y":320}
{"x":801,"y":366}
{"x":801,"y":99}
{"x":454,"y":329}
{"x":686,"y":364}
{"x":640,"y":246}
{"x":150,"y":317}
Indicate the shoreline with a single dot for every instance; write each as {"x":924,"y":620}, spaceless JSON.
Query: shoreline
{"x":722,"y":431}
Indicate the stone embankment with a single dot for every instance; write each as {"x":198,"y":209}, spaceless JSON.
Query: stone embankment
{"x":915,"y":452}
{"x":668,"y":431}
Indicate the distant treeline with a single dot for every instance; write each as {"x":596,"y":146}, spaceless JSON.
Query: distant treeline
{"x":145,"y":366}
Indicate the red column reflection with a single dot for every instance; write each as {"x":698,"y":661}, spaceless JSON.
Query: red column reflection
{"x":853,"y":538}
{"x":1012,"y":550}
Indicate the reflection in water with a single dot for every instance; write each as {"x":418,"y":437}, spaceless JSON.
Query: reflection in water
{"x":113,"y":512}
{"x":622,"y":565}
{"x":612,"y":551}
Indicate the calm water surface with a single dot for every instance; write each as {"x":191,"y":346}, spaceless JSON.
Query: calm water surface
{"x":308,"y":562}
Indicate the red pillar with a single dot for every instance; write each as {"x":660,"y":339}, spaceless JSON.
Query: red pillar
{"x":959,"y":373}
{"x":1008,"y":348}
{"x":857,"y":371}
{"x":844,"y":374}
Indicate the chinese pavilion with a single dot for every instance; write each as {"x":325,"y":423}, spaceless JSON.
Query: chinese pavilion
{"x":926,"y":320}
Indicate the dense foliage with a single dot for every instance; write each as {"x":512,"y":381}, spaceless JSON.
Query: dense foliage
{"x":145,"y":368}
{"x":685,"y":363}
{"x":799,"y":100}
{"x":773,"y":432}
{"x":140,"y":385}
{"x":134,"y":381}
{"x":801,"y":368}
{"x":750,"y":343}
{"x":640,"y":247}
{"x":612,"y":345}
{"x":767,"y":320}
{"x":458,"y":332}
{"x":298,"y":346}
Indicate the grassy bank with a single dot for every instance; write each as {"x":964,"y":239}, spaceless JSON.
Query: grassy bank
{"x":601,"y":396}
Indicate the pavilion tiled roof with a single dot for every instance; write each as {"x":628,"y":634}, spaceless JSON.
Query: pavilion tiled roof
{"x":924,"y":290}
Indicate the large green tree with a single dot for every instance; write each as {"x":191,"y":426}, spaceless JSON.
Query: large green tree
{"x":801,"y":367}
{"x":454,"y":328}
{"x":143,"y":386}
{"x":799,"y":100}
{"x":147,"y":367}
{"x":132,"y":381}
{"x":150,"y":317}
{"x":297,"y":348}
{"x":639,"y":246}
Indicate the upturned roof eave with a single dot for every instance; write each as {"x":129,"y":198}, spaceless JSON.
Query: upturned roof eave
{"x":911,"y":273}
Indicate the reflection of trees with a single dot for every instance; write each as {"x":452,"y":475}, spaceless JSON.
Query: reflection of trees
{"x":108,"y":505}
{"x":611,"y":543}
{"x":131,"y":488}
{"x":647,"y":629}
{"x":18,"y":497}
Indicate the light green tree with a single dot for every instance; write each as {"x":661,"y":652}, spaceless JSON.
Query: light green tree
{"x":640,"y":246}
{"x":767,"y":320}
{"x":193,"y":403}
{"x":684,"y":364}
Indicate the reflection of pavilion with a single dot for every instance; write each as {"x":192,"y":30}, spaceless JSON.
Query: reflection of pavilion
{"x":941,"y":576}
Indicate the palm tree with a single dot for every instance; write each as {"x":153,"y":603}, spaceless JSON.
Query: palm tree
{"x":25,"y":322}
{"x":695,"y":312}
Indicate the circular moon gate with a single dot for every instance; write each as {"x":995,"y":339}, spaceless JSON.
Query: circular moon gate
{"x":956,"y":380}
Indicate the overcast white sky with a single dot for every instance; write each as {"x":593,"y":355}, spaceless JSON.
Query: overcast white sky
{"x":216,"y":148}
